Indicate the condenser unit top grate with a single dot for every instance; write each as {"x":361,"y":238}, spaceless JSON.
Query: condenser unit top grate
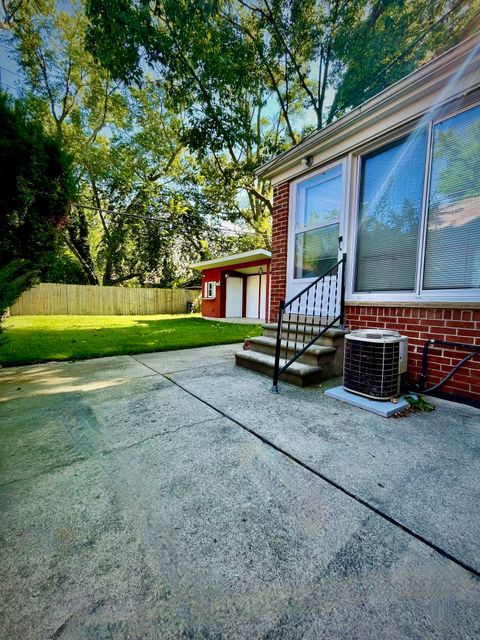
{"x":374,"y":335}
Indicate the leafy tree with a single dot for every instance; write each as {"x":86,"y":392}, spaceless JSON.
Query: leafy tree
{"x":15,"y":278}
{"x":254,"y":77}
{"x":320,"y":56}
{"x":146,"y":206}
{"x":36,"y":190}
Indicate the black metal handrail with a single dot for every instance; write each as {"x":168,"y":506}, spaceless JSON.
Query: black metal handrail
{"x":325,"y":294}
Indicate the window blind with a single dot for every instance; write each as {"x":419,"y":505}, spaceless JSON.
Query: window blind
{"x":388,"y":223}
{"x":452,"y":255}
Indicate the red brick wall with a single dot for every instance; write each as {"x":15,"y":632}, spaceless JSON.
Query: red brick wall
{"x":279,"y":247}
{"x":419,"y":324}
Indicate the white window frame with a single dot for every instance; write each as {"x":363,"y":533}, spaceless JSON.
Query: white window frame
{"x":210,"y":292}
{"x":292,"y":222}
{"x":419,"y":294}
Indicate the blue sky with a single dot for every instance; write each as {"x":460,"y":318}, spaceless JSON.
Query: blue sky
{"x":10,"y":73}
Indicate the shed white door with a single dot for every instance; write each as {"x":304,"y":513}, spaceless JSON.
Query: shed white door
{"x":234,"y":293}
{"x":256,"y":292}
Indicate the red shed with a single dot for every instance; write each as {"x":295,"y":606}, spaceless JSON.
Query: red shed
{"x":236,"y":286}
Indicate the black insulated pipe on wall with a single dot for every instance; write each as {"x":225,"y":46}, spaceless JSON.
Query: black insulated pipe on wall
{"x":422,"y":381}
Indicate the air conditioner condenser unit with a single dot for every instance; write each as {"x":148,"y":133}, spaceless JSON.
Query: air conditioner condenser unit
{"x":373,"y":363}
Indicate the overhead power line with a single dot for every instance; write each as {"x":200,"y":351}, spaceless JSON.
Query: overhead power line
{"x":14,"y":73}
{"x":119,"y":213}
{"x":156,"y":218}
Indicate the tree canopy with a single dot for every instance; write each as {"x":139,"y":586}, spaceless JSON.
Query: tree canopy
{"x":168,"y":107}
{"x":146,"y":205}
{"x":322,"y":56}
{"x":36,"y":190}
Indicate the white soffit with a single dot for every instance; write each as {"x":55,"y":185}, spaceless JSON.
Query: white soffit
{"x":237,"y":258}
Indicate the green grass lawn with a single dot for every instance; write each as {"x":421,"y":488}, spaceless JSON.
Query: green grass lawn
{"x":31,"y":339}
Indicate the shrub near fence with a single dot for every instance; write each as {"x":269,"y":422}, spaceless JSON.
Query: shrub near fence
{"x":88,"y":300}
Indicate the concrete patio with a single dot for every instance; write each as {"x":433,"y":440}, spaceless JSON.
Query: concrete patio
{"x":171,"y":495}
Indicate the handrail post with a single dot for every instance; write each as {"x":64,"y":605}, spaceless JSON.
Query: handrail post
{"x":342,"y":294}
{"x":278,"y":346}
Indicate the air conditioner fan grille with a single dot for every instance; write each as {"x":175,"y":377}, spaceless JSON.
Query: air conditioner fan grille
{"x":371,"y":368}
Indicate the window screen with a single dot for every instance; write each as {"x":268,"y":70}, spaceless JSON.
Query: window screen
{"x":317,"y":223}
{"x":388,"y":223}
{"x":452,"y":256}
{"x":316,"y":251}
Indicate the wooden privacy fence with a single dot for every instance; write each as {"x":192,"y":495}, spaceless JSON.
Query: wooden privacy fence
{"x":88,"y":300}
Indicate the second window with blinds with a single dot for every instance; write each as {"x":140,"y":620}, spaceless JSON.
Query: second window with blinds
{"x":392,"y":254}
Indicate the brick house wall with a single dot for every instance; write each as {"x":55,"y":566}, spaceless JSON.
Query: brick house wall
{"x":416,"y":322}
{"x":278,"y":280}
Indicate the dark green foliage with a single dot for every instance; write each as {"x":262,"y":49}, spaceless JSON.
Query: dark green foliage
{"x":15,"y":277}
{"x":419,"y":403}
{"x":63,"y":268}
{"x":36,"y":186}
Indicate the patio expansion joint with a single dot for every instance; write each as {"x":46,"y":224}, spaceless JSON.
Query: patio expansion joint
{"x":442,"y":552}
{"x":165,"y":374}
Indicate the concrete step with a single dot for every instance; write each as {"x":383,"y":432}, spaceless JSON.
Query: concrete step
{"x":316,"y":355}
{"x":298,"y":373}
{"x":333,"y":337}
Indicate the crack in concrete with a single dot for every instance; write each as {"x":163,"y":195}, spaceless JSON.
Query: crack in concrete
{"x":45,"y":471}
{"x":168,"y":373}
{"x":106,"y":451}
{"x":159,"y":434}
{"x":336,"y":485}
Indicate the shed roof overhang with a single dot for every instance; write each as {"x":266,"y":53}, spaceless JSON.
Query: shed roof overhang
{"x":237,"y":258}
{"x":439,"y":76}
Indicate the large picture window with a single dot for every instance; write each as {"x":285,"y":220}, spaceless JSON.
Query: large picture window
{"x":389,"y":216}
{"x":317,"y":223}
{"x":413,"y":239}
{"x":452,"y":256}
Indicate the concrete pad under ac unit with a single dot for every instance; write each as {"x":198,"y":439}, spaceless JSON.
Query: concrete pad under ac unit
{"x":383,"y":408}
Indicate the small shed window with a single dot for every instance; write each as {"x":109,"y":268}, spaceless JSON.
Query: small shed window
{"x":210,"y":290}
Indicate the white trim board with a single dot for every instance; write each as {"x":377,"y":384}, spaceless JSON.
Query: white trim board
{"x":236,"y":258}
